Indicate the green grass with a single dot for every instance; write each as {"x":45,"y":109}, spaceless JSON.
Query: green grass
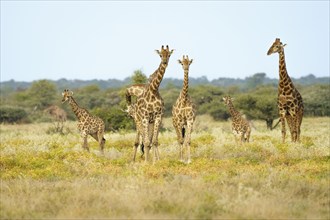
{"x":50,"y":176}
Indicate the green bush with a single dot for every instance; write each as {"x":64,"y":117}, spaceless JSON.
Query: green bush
{"x":12,"y":115}
{"x":114,"y":118}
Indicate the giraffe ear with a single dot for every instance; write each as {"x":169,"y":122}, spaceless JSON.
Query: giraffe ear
{"x":62,"y":93}
{"x":171,"y":51}
{"x":179,"y":61}
{"x":284,"y":45}
{"x":157,"y":51}
{"x":71,"y":93}
{"x":190,"y":61}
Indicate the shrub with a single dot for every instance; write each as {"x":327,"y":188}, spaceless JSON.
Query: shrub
{"x":12,"y":115}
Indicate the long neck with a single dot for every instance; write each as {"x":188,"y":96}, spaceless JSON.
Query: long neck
{"x":184,"y":91}
{"x":232,"y":110}
{"x":157,"y":77}
{"x":283,"y":74}
{"x":75,"y":107}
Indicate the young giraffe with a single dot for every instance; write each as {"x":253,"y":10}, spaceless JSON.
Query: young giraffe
{"x":88,"y":124}
{"x":289,"y":102}
{"x":240,"y":126}
{"x":150,"y":106}
{"x":184,"y":113}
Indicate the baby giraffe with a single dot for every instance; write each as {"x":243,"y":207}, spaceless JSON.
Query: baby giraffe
{"x":184,"y":113}
{"x":240,"y":126}
{"x":87,"y":124}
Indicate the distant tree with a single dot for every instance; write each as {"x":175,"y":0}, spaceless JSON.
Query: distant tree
{"x":42,"y":93}
{"x":316,"y":100}
{"x":255,"y":80}
{"x":139,"y":77}
{"x":260,"y":104}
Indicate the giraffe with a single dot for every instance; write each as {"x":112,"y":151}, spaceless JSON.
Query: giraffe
{"x":58,"y":114}
{"x":184,"y":113}
{"x":150,"y":106}
{"x":88,"y":124}
{"x":136,"y":90}
{"x":240,"y":126}
{"x":289,"y":101}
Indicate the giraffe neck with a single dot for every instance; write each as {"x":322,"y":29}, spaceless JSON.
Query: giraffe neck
{"x":184,"y":92}
{"x":75,"y":107}
{"x":233,"y":112}
{"x":157,"y":77}
{"x":283,"y":74}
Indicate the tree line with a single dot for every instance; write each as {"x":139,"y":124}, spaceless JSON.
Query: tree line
{"x":256,"y":98}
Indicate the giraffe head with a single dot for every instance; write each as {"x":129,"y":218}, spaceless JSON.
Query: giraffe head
{"x":276,"y":47}
{"x":227,"y":99}
{"x":165,"y":54}
{"x":66,"y":94}
{"x":185,"y":62}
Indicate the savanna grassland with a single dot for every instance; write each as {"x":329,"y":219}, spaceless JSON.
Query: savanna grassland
{"x":47,"y":175}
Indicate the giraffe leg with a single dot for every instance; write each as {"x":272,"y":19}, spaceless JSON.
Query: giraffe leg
{"x":291,"y":123}
{"x":85,"y":146}
{"x":155,"y":138}
{"x":101,"y":142}
{"x":146,"y":140}
{"x":283,"y":128}
{"x":187,"y":140}
{"x":179,"y":137}
{"x":299,"y":121}
{"x":100,"y":139}
{"x":136,"y":144}
{"x":248,"y":133}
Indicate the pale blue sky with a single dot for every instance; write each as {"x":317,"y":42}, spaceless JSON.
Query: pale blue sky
{"x":111,"y":39}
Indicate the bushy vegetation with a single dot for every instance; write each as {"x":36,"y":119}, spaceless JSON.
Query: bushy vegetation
{"x":255,"y":97}
{"x":11,"y":114}
{"x":48,"y":175}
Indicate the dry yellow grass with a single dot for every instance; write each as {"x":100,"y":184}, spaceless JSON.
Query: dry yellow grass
{"x":50,"y":176}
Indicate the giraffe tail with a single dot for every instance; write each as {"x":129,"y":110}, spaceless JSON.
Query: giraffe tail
{"x":183,"y":132}
{"x":142,"y":149}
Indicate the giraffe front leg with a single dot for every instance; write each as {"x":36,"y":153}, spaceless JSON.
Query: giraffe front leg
{"x":283,"y":128}
{"x":291,"y":123}
{"x":178,"y":131}
{"x":85,"y":145}
{"x":187,"y":140}
{"x":155,"y":138}
{"x":146,"y":140}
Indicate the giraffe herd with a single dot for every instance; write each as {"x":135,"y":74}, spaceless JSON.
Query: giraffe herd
{"x":148,"y":109}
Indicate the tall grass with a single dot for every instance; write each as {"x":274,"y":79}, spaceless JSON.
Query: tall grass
{"x":47,"y":175}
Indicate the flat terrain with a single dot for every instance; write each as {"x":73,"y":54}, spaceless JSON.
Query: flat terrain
{"x":47,"y":175}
